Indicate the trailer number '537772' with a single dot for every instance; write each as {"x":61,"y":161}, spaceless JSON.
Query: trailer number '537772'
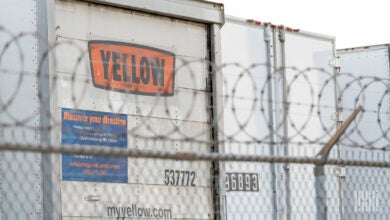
{"x":179,"y":177}
{"x":131,"y":68}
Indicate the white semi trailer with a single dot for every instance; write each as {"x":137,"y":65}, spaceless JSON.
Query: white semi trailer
{"x":107,"y":73}
{"x":364,"y":80}
{"x":275,"y":111}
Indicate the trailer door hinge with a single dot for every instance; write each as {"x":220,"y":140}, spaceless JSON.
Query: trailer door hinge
{"x":92,"y":198}
{"x":335,"y":63}
{"x":267,"y":33}
{"x":339,"y":171}
{"x":336,"y":117}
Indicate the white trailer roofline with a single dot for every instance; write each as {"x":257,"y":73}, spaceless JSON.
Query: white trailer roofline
{"x":247,"y":22}
{"x":192,"y":10}
{"x":364,"y":48}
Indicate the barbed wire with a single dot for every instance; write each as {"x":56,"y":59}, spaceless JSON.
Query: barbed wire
{"x":229,"y":141}
{"x":244,"y":96}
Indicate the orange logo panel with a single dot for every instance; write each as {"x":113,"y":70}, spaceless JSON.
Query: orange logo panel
{"x":131,"y":68}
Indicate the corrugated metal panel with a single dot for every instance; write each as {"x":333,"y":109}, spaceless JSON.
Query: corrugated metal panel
{"x":195,"y":10}
{"x":142,"y":134}
{"x":311,"y":55}
{"x":92,"y":23}
{"x":70,"y":52}
{"x":18,"y":90}
{"x":146,"y":129}
{"x":174,"y":200}
{"x":243,"y":46}
{"x":151,"y":183}
{"x":186,"y":104}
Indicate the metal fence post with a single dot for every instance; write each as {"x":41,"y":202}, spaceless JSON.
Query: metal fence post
{"x":267,"y":39}
{"x":320,"y":198}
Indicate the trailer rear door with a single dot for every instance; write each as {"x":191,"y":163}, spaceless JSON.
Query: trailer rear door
{"x":148,"y":72}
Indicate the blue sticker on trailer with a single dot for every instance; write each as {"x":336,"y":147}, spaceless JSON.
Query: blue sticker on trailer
{"x":81,"y":127}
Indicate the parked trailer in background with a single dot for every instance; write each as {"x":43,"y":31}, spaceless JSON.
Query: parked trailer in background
{"x":255,"y":87}
{"x":114,"y":74}
{"x":366,"y":71}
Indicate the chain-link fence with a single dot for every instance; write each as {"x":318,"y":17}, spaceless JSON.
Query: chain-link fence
{"x":96,"y":130}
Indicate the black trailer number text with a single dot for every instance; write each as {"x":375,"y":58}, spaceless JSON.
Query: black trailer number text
{"x":242,"y":182}
{"x":179,"y":177}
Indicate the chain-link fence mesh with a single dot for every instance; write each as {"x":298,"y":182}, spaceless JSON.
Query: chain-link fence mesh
{"x":230,"y":141}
